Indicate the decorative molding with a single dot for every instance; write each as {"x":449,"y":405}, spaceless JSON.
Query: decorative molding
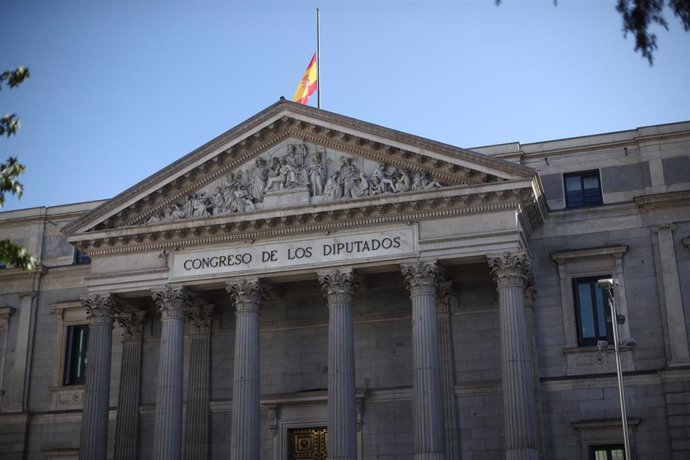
{"x":201,"y":317}
{"x":171,"y":302}
{"x":422,"y":278}
{"x":511,"y":269}
{"x":420,"y":206}
{"x":444,"y":294}
{"x":131,"y":323}
{"x":339,"y":285}
{"x":663,"y":200}
{"x":100,"y":309}
{"x":266,"y":129}
{"x":563,"y":256}
{"x":247,"y":294}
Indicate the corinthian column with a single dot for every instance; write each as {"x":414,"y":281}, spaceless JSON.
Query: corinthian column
{"x":247,"y":294}
{"x":167,"y":436}
{"x":511,"y":273}
{"x":339,"y":288}
{"x":196,"y":418}
{"x":427,"y":394}
{"x":93,"y":442}
{"x":446,"y":295}
{"x":127,"y":422}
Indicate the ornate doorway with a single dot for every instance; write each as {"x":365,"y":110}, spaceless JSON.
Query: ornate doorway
{"x":307,"y":443}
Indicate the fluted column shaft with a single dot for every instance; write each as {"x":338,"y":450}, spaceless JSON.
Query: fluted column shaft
{"x":127,"y":421}
{"x":511,"y":272}
{"x":93,"y":442}
{"x":427,"y":393}
{"x":247,"y":294}
{"x":445,"y":294}
{"x":167,"y":437}
{"x":339,"y":288}
{"x":196,"y":420}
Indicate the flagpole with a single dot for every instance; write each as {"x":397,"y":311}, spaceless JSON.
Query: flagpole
{"x":318,"y":61}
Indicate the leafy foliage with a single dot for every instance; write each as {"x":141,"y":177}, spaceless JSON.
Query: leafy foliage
{"x":640,"y":15}
{"x":10,"y":252}
{"x":16,"y":255}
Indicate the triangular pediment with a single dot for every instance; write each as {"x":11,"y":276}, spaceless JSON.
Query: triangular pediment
{"x":291,"y":160}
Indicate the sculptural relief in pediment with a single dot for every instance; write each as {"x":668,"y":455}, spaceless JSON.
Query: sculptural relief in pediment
{"x":294,"y":174}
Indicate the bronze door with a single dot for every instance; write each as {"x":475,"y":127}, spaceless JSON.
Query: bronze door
{"x":308,"y":443}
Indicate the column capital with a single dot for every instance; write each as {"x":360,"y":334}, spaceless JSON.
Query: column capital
{"x":132,"y":324}
{"x":201,"y":317}
{"x":511,"y":269}
{"x":246,"y":293}
{"x":100,"y":309}
{"x":444,"y":293}
{"x":170,"y":301}
{"x":339,"y":286}
{"x":661,"y":227}
{"x":422,"y":277}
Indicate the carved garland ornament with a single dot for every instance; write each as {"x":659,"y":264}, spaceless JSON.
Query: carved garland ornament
{"x":171,"y":302}
{"x":339,"y":286}
{"x":248,"y":295}
{"x":299,"y":170}
{"x":100,"y":309}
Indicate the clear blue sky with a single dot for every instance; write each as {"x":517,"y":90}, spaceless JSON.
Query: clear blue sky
{"x":120,"y":89}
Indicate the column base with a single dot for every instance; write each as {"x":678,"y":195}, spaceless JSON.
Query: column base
{"x":430,"y":456}
{"x":522,"y":454}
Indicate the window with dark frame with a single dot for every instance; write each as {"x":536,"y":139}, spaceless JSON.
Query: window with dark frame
{"x":81,"y":258}
{"x":591,"y":311}
{"x":607,"y":452}
{"x":582,"y":189}
{"x":76,"y":354}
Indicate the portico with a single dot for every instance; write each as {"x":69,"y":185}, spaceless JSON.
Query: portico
{"x":333,"y":306}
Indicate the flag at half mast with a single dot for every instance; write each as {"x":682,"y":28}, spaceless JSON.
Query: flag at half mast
{"x":307,"y":84}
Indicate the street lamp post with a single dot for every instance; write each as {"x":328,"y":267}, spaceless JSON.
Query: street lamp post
{"x":608,"y":285}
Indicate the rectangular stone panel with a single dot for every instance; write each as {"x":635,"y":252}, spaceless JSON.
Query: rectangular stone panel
{"x":341,"y":248}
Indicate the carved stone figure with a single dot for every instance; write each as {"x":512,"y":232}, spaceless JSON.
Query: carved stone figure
{"x":333,"y":189}
{"x":383,"y":182}
{"x":258,"y":180}
{"x":349,"y":174}
{"x":403,"y":182}
{"x":316,"y":171}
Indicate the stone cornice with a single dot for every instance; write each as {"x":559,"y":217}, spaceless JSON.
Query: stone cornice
{"x":663,"y":200}
{"x":276,"y":123}
{"x":332,"y":216}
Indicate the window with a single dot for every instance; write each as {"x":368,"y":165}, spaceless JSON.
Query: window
{"x":75,"y":354}
{"x":608,"y":452}
{"x":582,"y":189}
{"x":81,"y":258}
{"x":592,"y":312}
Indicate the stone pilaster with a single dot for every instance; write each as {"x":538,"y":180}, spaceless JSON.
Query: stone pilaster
{"x":673,"y":301}
{"x":339,"y":288}
{"x":511,"y":272}
{"x":127,"y":421}
{"x":167,"y":438}
{"x":93,"y":442}
{"x":197,"y":415}
{"x":427,"y":392}
{"x":446,"y":296}
{"x":247,"y":294}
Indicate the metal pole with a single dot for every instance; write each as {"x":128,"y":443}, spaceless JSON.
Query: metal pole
{"x":619,"y":372}
{"x":318,"y":61}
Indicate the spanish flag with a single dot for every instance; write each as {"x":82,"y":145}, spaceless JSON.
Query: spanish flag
{"x":307,"y":84}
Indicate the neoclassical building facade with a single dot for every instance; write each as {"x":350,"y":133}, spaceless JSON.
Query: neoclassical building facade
{"x":310,"y":286}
